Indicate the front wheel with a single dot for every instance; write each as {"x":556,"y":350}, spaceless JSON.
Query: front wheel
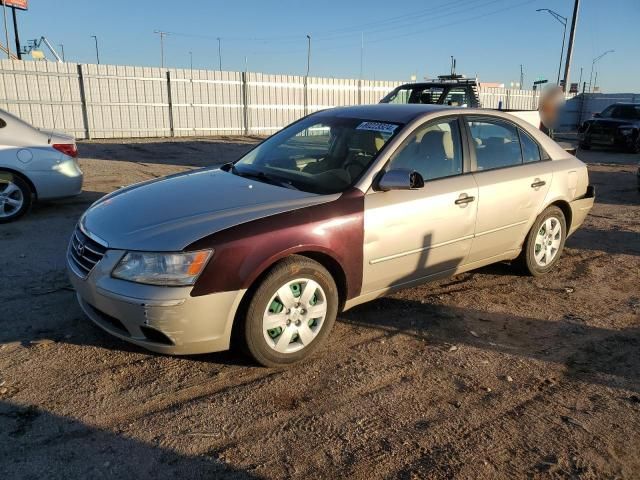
{"x":291,"y":312}
{"x":544,"y":243}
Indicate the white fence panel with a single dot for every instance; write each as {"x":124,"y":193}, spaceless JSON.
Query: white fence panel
{"x":113,"y":101}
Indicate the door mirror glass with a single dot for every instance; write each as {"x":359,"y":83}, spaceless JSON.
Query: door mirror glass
{"x":400,"y":179}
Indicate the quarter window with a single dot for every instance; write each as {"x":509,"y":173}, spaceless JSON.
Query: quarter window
{"x":530,"y":149}
{"x":434,"y":151}
{"x":496,"y":144}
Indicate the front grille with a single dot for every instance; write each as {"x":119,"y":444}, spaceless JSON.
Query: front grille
{"x":84,"y":253}
{"x":600,"y":129}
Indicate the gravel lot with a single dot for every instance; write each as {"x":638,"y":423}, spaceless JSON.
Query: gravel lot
{"x":487,"y":375}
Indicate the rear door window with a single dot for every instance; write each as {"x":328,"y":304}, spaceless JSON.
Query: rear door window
{"x":496,"y":143}
{"x":530,"y":149}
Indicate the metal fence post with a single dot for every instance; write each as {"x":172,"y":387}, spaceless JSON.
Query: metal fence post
{"x":83,"y":101}
{"x":169,"y":99}
{"x":245,"y":103}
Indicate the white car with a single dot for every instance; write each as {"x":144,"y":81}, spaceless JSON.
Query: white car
{"x":34,"y":165}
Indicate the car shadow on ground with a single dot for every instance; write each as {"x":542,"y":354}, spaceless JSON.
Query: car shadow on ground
{"x":616,"y":188}
{"x":61,"y":447}
{"x":202,"y":152}
{"x":610,"y":241}
{"x":590,"y":354}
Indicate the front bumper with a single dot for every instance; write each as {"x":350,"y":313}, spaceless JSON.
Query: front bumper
{"x":613,"y":139}
{"x":160,"y":319}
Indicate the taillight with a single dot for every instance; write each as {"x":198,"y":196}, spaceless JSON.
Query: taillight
{"x":69,"y":149}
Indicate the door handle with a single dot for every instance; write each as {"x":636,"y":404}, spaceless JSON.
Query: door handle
{"x":462,"y":200}
{"x":538,"y":183}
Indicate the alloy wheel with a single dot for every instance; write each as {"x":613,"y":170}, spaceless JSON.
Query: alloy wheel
{"x":548,"y":241}
{"x":11,"y":198}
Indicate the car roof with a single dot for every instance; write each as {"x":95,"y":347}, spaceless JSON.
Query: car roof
{"x":626,"y":104}
{"x":388,"y":112}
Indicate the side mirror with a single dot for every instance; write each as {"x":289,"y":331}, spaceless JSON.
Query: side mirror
{"x":596,"y":115}
{"x":400,"y":179}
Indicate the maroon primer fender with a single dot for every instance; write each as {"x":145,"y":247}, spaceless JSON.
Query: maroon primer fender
{"x":243,"y":252}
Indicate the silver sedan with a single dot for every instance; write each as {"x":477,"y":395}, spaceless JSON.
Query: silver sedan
{"x":34,"y":165}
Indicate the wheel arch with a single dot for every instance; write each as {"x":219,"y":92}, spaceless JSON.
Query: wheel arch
{"x":323,"y":258}
{"x":24,"y":177}
{"x":566,"y":210}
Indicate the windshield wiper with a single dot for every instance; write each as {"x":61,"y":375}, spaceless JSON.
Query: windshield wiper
{"x":258,"y":175}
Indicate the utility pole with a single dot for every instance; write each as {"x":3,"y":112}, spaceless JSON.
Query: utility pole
{"x":595,"y":81}
{"x":572,"y":36}
{"x":191,"y":61}
{"x":521,"y":77}
{"x":62,"y":51}
{"x":162,"y":35}
{"x":580,"y":81}
{"x":308,"y":53}
{"x":219,"y":55}
{"x":361,"y":53}
{"x":97,"y":51}
{"x":6,"y":30}
{"x":563,"y":22}
{"x":15,"y":33}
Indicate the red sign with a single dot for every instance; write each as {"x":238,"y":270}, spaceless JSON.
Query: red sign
{"x":21,"y":4}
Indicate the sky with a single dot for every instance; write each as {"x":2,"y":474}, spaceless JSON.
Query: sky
{"x":395,"y":40}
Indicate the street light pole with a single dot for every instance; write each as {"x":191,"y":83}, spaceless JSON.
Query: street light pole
{"x":219,"y":54}
{"x":308,"y":53}
{"x":6,"y":30}
{"x":593,"y":63}
{"x":563,"y":21}
{"x":95,"y":38}
{"x":191,"y":60}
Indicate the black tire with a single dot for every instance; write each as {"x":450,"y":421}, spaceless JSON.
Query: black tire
{"x":6,"y":180}
{"x":527,"y":259}
{"x":585,"y":146}
{"x":255,"y":337}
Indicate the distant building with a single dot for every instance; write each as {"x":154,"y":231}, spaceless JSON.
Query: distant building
{"x":491,"y":85}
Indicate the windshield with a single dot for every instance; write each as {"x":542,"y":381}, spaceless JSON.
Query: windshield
{"x":628,"y":112}
{"x":320,"y":154}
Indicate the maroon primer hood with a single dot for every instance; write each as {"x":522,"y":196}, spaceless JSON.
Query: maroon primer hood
{"x":244,"y":251}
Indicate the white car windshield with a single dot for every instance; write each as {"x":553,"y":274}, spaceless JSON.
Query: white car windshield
{"x":319,"y":154}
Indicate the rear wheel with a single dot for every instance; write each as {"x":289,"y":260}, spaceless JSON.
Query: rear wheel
{"x":291,"y":312}
{"x":585,"y":146}
{"x":15,"y":196}
{"x":544,"y":243}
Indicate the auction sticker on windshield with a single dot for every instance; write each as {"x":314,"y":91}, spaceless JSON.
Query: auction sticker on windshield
{"x":377,"y":127}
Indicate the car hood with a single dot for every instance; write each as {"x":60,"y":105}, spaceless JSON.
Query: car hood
{"x":172,"y":212}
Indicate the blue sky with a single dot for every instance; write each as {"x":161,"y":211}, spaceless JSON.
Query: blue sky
{"x":488,"y":37}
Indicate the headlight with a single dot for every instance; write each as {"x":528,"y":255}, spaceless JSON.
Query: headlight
{"x":625,"y":130}
{"x":169,"y":269}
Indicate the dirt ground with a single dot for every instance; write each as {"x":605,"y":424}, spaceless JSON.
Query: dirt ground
{"x":487,"y":375}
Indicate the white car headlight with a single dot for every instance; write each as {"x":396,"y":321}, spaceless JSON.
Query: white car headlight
{"x":169,"y":269}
